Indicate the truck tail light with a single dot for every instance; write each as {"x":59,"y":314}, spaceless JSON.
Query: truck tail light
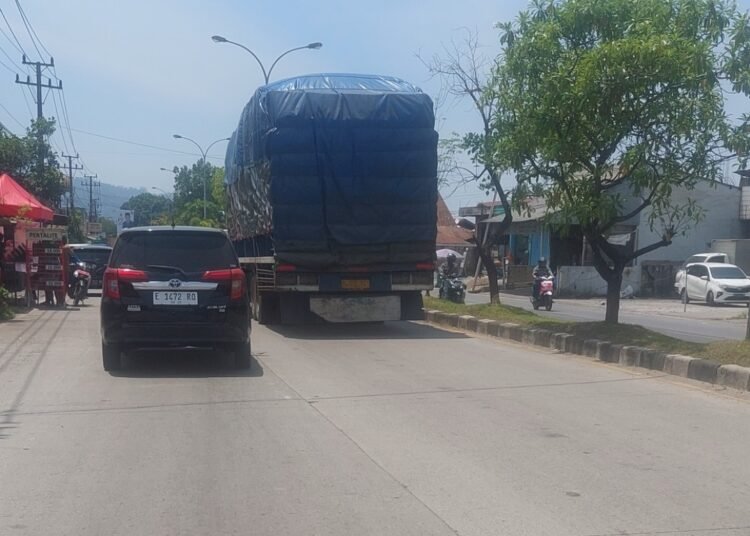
{"x":113,"y":276}
{"x":235,"y":277}
{"x":425,"y":266}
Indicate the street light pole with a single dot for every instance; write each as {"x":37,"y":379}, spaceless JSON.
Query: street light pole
{"x":266,"y":74}
{"x":203,"y":156}
{"x":169,"y":197}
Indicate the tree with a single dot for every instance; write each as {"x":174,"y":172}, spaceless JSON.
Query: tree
{"x":19,"y":158}
{"x":188,"y":182}
{"x":463,"y":71}
{"x":109,"y":227}
{"x":611,"y":105}
{"x":147,"y":207}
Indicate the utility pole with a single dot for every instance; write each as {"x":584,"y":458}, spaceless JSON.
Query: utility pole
{"x":39,"y":84}
{"x":91,"y":183}
{"x":71,"y":168}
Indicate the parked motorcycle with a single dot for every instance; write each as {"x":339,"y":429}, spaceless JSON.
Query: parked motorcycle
{"x":451,"y":288}
{"x":544,"y":296}
{"x":78,"y":284}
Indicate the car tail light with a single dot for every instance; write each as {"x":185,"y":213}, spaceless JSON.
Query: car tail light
{"x":235,"y":276}
{"x":113,"y":276}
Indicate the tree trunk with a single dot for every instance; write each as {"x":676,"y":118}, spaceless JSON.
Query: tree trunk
{"x":614,"y":284}
{"x":486,"y":256}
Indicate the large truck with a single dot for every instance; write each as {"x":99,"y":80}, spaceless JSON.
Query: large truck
{"x":332,"y":187}
{"x":737,"y":251}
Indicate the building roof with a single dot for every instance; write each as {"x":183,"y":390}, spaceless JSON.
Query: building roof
{"x":448,"y":233}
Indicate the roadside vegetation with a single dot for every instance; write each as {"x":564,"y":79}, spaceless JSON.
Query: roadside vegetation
{"x":726,"y":352}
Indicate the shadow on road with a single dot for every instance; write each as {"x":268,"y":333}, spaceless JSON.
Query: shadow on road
{"x":386,"y":330}
{"x":192,"y":363}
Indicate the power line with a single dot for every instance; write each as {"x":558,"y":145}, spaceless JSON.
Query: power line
{"x":11,"y":41}
{"x":62,"y":132}
{"x":27,"y":24}
{"x":17,"y":44}
{"x":11,"y":115}
{"x":111,"y":138}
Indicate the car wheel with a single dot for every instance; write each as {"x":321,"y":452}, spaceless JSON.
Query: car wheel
{"x":242,"y":355}
{"x":710,"y":298}
{"x":111,"y":357}
{"x":684,"y":296}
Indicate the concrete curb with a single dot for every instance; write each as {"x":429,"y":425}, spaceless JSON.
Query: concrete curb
{"x":704,"y":370}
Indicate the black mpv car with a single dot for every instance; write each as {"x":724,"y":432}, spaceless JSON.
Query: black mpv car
{"x":174,"y":287}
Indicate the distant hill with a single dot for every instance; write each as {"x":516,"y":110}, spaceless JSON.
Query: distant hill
{"x":111,"y":197}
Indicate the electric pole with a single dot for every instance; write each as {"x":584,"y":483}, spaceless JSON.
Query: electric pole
{"x":39,"y":84}
{"x":91,"y":183}
{"x":71,"y":168}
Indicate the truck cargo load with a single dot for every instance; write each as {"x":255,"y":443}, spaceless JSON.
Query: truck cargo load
{"x":335,"y":169}
{"x":332,"y":187}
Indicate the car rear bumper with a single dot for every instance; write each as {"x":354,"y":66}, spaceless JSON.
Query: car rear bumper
{"x":116,"y":328}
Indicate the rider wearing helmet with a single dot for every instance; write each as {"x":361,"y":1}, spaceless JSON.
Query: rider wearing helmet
{"x":450,"y":268}
{"x":540,"y":270}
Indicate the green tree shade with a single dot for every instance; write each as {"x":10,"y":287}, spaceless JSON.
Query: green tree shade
{"x":188,"y":183}
{"x":18,"y":158}
{"x":109,"y":227}
{"x":147,"y":207}
{"x":611,"y":105}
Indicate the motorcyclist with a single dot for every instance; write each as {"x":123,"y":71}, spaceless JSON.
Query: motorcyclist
{"x":450,"y":268}
{"x":541,"y":270}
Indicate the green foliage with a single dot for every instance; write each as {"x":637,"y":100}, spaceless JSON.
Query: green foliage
{"x":76,"y":227}
{"x":611,"y":105}
{"x":147,"y":207}
{"x":609,"y":100}
{"x":188,"y":182}
{"x":19,"y":158}
{"x":6,"y":313}
{"x":109,"y":227}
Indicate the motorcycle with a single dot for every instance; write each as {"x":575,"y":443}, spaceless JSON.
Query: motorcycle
{"x":544,"y":296}
{"x":78,"y":284}
{"x":451,"y":288}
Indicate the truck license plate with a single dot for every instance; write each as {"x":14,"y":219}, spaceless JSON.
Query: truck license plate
{"x":355,"y":284}
{"x":175,"y":298}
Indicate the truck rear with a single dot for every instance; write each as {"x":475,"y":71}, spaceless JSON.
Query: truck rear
{"x":332,"y":185}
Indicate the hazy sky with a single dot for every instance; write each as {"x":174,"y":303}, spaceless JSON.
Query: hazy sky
{"x":142,"y":70}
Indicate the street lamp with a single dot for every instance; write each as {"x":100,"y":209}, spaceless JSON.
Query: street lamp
{"x":203,"y":155}
{"x":170,"y":198}
{"x":266,"y":75}
{"x":168,"y":170}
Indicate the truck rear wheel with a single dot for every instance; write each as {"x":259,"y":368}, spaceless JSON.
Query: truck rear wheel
{"x":268,"y":310}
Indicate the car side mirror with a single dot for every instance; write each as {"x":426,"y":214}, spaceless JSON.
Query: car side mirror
{"x":704,"y":277}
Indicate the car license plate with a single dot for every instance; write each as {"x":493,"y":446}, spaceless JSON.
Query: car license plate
{"x":355,"y":284}
{"x":175,"y":298}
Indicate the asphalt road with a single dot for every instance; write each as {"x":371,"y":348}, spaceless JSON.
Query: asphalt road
{"x":395,"y":429}
{"x":700,"y":324}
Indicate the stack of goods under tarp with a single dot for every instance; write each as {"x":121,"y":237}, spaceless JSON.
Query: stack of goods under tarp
{"x":334,"y":169}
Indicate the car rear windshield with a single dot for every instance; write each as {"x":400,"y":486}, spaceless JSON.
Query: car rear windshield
{"x":729,"y":272}
{"x":96,"y":256}
{"x":189,"y":251}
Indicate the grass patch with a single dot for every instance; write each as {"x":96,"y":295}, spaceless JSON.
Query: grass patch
{"x":727,"y":352}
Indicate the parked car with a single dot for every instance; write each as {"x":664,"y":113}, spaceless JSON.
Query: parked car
{"x":679,"y":278}
{"x":715,"y":283}
{"x":174,"y":287}
{"x":94,"y":258}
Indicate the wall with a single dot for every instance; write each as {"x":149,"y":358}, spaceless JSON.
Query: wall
{"x":582,"y":281}
{"x":721,"y":204}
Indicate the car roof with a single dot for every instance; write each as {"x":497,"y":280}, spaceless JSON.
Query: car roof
{"x":176,"y":229}
{"x":716,"y":264}
{"x":90,"y":246}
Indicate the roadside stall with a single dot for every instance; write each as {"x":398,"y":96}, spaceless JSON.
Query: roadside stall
{"x":29,"y":262}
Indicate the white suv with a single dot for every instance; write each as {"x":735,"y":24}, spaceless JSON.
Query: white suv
{"x":679,"y":279}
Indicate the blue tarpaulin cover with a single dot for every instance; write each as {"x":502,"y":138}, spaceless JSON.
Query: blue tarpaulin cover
{"x":335,"y":169}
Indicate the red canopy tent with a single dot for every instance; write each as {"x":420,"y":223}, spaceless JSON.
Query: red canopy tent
{"x":16,"y":202}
